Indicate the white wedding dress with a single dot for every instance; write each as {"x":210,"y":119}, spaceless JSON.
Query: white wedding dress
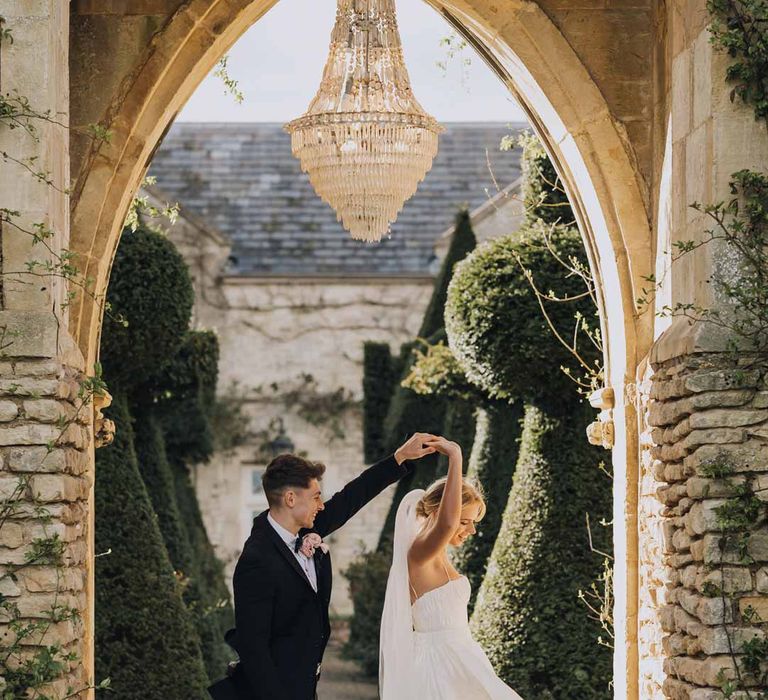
{"x":427,"y":650}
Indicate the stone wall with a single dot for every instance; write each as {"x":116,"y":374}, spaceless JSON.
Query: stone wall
{"x":45,"y":472}
{"x":706,"y":414}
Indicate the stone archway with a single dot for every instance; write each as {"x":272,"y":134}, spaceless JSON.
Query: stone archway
{"x":546,"y":63}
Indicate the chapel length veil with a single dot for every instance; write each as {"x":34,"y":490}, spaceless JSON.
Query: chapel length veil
{"x":396,"y":641}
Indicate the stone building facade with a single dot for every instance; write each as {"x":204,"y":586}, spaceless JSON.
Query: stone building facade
{"x":290,"y":296}
{"x":630,"y":99}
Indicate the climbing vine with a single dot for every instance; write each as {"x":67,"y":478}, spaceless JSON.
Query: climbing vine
{"x":325,"y":410}
{"x":739,"y":28}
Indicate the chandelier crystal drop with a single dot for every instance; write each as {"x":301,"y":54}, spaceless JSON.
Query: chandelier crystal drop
{"x":364,"y":141}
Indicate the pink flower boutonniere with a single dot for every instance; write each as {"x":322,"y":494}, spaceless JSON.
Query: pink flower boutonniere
{"x":310,"y":543}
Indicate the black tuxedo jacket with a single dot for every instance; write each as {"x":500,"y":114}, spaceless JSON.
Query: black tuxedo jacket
{"x":282,"y":625}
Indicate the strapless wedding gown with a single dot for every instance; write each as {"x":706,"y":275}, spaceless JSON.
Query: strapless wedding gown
{"x":449,"y":663}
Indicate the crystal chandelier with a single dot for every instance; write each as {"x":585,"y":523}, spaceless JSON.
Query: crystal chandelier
{"x":365,"y":141}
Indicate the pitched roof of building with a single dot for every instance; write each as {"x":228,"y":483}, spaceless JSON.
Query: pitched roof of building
{"x":243,"y":179}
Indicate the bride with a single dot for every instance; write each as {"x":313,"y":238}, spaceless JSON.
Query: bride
{"x":427,"y":651}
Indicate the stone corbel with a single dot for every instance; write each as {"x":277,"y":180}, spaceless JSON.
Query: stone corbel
{"x":103,"y":428}
{"x":601,"y":432}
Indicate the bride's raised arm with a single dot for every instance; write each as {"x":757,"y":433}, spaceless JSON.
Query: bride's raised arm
{"x":434,"y":538}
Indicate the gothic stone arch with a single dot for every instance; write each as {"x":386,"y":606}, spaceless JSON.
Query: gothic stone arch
{"x":559,"y":65}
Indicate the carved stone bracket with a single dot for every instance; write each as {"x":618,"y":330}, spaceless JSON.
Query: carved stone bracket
{"x":103,"y":428}
{"x":602,"y":431}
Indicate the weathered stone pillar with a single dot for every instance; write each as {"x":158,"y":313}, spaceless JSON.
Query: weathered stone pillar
{"x":46,"y":453}
{"x":704,"y":413}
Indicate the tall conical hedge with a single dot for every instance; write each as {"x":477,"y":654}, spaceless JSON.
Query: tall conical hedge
{"x":158,"y":479}
{"x":491,"y":464}
{"x":169,"y":375}
{"x":186,"y":392}
{"x":380,"y":372}
{"x":212,"y":610}
{"x":145,"y":641}
{"x":463,"y":241}
{"x":186,"y":389}
{"x":408,"y":411}
{"x":528,"y":616}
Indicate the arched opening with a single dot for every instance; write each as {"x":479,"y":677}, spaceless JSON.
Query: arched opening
{"x":593,"y":154}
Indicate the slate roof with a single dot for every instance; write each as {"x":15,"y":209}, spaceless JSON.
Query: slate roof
{"x":243,"y":180}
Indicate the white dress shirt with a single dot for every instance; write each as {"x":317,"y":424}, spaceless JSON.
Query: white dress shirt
{"x":306,"y":563}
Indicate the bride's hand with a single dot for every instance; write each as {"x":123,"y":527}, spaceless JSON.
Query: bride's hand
{"x":444,"y":446}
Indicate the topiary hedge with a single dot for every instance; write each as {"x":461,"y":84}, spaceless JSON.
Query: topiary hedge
{"x":491,"y":464}
{"x":150,"y":300}
{"x":494,"y":322}
{"x":463,"y":241}
{"x":544,"y":197}
{"x":380,"y":372}
{"x":145,"y":640}
{"x":408,"y":411}
{"x":528,"y":616}
{"x":158,"y":479}
{"x":186,"y":390}
{"x":367,"y":576}
{"x":212,"y":608}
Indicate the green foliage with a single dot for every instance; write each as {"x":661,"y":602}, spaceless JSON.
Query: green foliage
{"x":459,"y":426}
{"x":379,"y":376}
{"x":494,"y":316}
{"x":739,"y":28}
{"x":186,"y":393}
{"x":145,"y":640}
{"x":410,"y":412}
{"x":544,"y":197}
{"x":491,"y":465}
{"x":230,"y":422}
{"x":209,"y":600}
{"x":528,"y":615}
{"x":463,"y":242}
{"x":150,"y":297}
{"x":437,"y":372}
{"x":158,"y":479}
{"x":367,"y":576}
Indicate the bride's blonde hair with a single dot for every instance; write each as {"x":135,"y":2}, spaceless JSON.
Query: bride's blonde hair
{"x":430,"y":501}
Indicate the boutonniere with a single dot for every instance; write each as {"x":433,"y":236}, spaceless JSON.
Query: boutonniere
{"x":309,"y":543}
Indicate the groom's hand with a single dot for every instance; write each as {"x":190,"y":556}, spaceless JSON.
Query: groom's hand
{"x":414,"y":447}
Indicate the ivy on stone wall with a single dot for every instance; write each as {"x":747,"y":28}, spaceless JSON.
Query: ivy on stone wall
{"x":739,"y":28}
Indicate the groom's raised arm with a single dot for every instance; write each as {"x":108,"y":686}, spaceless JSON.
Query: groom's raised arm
{"x":364,"y":488}
{"x":358,"y":492}
{"x":254,"y":598}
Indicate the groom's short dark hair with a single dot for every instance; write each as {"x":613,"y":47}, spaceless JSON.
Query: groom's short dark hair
{"x":289,"y":470}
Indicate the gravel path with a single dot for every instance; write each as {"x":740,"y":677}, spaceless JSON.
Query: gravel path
{"x":342,"y":679}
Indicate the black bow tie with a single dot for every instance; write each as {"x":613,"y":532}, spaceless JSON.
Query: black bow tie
{"x":297,"y":544}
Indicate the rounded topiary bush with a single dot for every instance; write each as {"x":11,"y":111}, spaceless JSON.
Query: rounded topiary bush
{"x":495,"y":324}
{"x":150,"y":300}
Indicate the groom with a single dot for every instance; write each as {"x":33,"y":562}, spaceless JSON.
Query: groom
{"x":282,"y":584}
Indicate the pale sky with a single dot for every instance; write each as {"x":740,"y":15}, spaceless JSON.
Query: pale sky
{"x":279,"y":62}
